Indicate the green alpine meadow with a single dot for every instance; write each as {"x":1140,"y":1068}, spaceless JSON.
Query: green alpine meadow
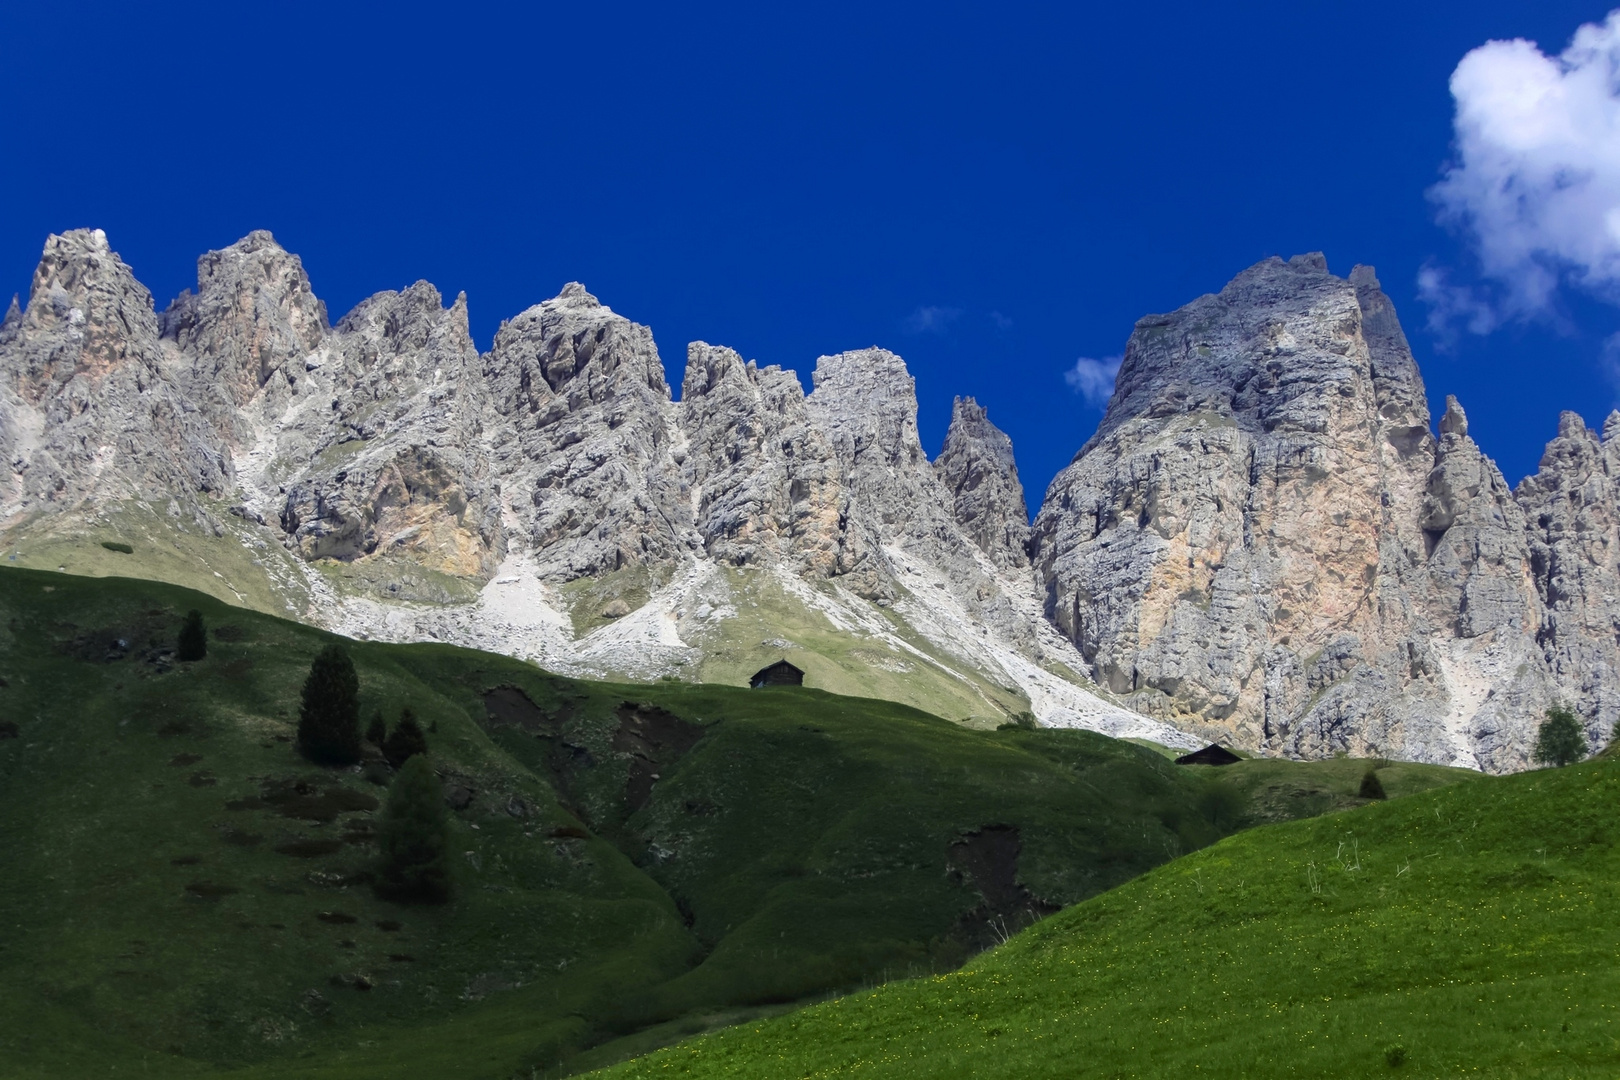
{"x":1462,"y":931}
{"x":569,"y":874}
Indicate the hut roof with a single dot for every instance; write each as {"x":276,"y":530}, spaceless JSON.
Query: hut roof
{"x":778,"y":674}
{"x":1213,"y":754}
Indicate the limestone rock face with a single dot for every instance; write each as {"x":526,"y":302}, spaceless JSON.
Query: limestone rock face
{"x":1481,"y":602}
{"x":976,"y":466}
{"x":1238,"y":545}
{"x":1263,"y":542}
{"x":584,"y":437}
{"x":247,"y":329}
{"x":765,"y":483}
{"x":398,"y":463}
{"x":898,"y":521}
{"x":359,"y":440}
{"x":89,"y":409}
{"x":865,"y":405}
{"x":1572,"y":511}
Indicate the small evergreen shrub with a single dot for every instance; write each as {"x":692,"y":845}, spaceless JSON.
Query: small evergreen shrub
{"x":405,"y":741}
{"x":376,"y":730}
{"x":413,"y":865}
{"x":1560,"y":741}
{"x":1371,"y":786}
{"x":1023,"y":721}
{"x":193,"y":640}
{"x":1395,"y":1056}
{"x":115,"y":545}
{"x":329,"y":716}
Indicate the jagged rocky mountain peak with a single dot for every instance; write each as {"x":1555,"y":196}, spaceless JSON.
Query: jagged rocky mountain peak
{"x":1264,"y":540}
{"x":574,"y":294}
{"x":411,"y":321}
{"x":87,"y":410}
{"x":573,"y":340}
{"x":86,"y":316}
{"x":709,"y":367}
{"x":1263,"y":543}
{"x":1261,"y":351}
{"x":253,"y":316}
{"x":866,"y":402}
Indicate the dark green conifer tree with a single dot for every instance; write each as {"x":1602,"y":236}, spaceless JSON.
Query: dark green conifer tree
{"x":193,"y":641}
{"x":405,"y":741}
{"x":1371,"y":786}
{"x":1560,"y":741}
{"x":377,"y":730}
{"x":329,"y":718}
{"x":413,"y":866}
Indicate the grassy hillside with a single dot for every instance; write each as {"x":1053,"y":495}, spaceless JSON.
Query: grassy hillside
{"x":1469,"y":930}
{"x":180,"y":891}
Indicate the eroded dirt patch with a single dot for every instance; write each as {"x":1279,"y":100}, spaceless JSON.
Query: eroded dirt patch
{"x":655,"y":739}
{"x":508,"y":705}
{"x":986,"y":860}
{"x":648,"y":738}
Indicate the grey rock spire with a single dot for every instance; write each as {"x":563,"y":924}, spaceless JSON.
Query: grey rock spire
{"x":976,"y":466}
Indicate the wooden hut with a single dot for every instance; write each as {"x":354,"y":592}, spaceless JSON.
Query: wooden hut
{"x":1213,"y":754}
{"x":780,"y":673}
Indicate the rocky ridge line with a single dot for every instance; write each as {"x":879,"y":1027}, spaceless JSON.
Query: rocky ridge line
{"x":1264,"y":542}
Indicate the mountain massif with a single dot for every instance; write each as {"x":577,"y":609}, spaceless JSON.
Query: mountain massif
{"x":1264,"y":542}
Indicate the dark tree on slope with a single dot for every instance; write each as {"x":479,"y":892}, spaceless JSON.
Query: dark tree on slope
{"x":1560,"y":741}
{"x":405,"y":741}
{"x":193,"y":642}
{"x":1371,"y":786}
{"x":329,"y":718}
{"x":376,"y":731}
{"x":414,"y":862}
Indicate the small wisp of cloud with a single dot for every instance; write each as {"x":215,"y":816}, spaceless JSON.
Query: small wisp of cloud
{"x":930,"y":319}
{"x":1452,"y":305}
{"x":1093,"y":380}
{"x":1001,"y":321}
{"x":1535,"y":187}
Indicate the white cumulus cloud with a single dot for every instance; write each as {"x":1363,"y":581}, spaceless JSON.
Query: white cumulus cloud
{"x":1093,"y":379}
{"x":1536,"y":182}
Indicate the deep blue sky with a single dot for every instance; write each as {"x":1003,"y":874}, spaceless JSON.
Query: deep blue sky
{"x":793,"y":180}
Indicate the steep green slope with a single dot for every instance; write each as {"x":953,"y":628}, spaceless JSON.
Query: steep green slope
{"x":1467,"y":930}
{"x":179,"y":890}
